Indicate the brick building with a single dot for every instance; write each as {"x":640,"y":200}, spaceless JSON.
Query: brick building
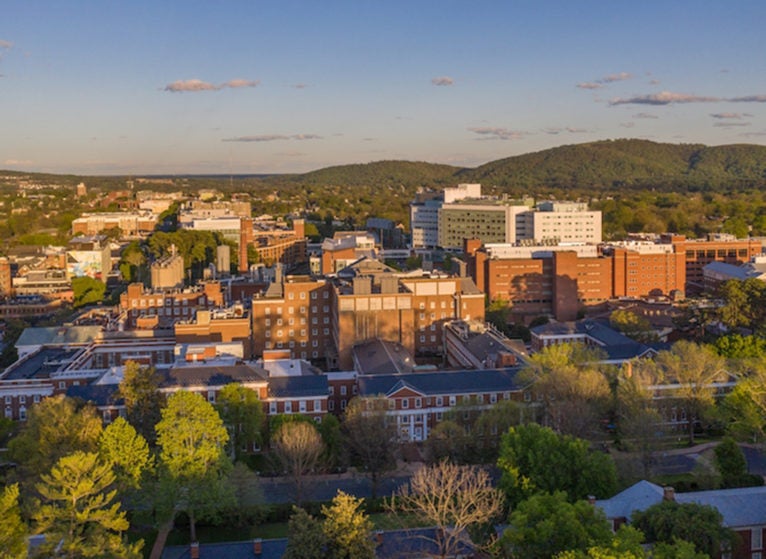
{"x":152,"y":308}
{"x":561,"y":280}
{"x":217,"y":325}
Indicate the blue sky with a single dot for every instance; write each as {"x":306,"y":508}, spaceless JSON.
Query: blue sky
{"x":102,"y":87}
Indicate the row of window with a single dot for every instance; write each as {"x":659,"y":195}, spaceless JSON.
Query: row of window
{"x":21,"y":398}
{"x":302,"y":407}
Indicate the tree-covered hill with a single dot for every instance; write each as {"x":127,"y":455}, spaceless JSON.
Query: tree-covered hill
{"x":382,"y":173}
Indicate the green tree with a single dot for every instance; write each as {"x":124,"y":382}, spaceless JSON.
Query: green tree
{"x":631,"y":324}
{"x":55,"y":427}
{"x":347,"y":529}
{"x":455,"y":499}
{"x":694,"y":369}
{"x":298,"y":448}
{"x":87,"y":291}
{"x":744,"y":408}
{"x":371,"y":436}
{"x":670,"y":521}
{"x":244,"y":417}
{"x":13,"y":531}
{"x":194,"y":465}
{"x":535,"y":459}
{"x":140,"y":391}
{"x":332,"y":437}
{"x":575,"y":392}
{"x":736,"y":346}
{"x":121,"y":446}
{"x":78,"y":514}
{"x":731,"y":464}
{"x":744,"y":304}
{"x":547,"y":524}
{"x":306,"y":538}
{"x":626,"y":544}
{"x":448,"y":440}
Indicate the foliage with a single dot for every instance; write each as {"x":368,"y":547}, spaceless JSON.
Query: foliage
{"x":122,"y":447}
{"x":744,"y":408}
{"x":547,"y":524}
{"x":307,"y":539}
{"x":631,"y":324}
{"x":194,"y":465}
{"x":140,"y":391}
{"x":298,"y":448}
{"x":132,"y":262}
{"x":736,"y":346}
{"x":87,"y":291}
{"x":243,"y":415}
{"x":347,"y":529}
{"x":744,"y":304}
{"x":626,"y":544}
{"x":455,"y":499}
{"x":731,"y":464}
{"x":78,"y":514}
{"x":669,"y":521}
{"x":55,"y":427}
{"x":694,"y":369}
{"x":535,"y":459}
{"x":13,"y":531}
{"x":332,"y":437}
{"x":371,"y":436}
{"x":574,"y":391}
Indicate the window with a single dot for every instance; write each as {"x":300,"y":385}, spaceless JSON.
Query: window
{"x":8,"y":412}
{"x":343,"y":404}
{"x":492,"y":398}
{"x":8,"y":399}
{"x":36,"y":398}
{"x":332,"y":390}
{"x":439,"y":401}
{"x":272,"y":408}
{"x":288,"y":407}
{"x":303,"y":406}
{"x":313,"y":294}
{"x":452,"y":400}
{"x":343,"y":390}
{"x":405,"y":403}
{"x":211,"y":397}
{"x":756,"y":538}
{"x":317,"y":405}
{"x":418,"y":403}
{"x":22,"y":413}
{"x":331,"y":405}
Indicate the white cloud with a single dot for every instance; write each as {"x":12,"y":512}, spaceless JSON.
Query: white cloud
{"x":589,"y":85}
{"x":730,"y":115}
{"x":190,"y":85}
{"x":5,"y":44}
{"x":273,"y":138}
{"x":195,"y":85}
{"x":749,"y":99}
{"x":622,"y":76}
{"x":491,"y":133}
{"x":442,"y":81}
{"x":663,"y":98}
{"x":16,"y":162}
{"x":237,"y":83}
{"x":645,"y":115}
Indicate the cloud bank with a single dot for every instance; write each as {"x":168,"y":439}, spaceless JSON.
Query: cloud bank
{"x":442,"y":81}
{"x":194,"y":85}
{"x":492,"y":133}
{"x":273,"y":138}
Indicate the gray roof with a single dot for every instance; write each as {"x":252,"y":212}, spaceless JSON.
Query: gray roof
{"x":616,"y":345}
{"x":270,"y":549}
{"x":729,"y":270}
{"x":741,"y":507}
{"x":212,"y":375}
{"x":443,"y":382}
{"x":304,"y":386}
{"x":40,"y":364}
{"x":377,"y":356}
{"x":100,"y":395}
{"x":58,"y":335}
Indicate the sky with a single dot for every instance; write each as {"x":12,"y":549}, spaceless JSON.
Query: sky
{"x":240,"y":87}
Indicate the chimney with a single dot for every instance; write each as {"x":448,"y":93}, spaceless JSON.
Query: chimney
{"x":591,"y":499}
{"x":194,"y":550}
{"x":257,"y":547}
{"x":668,"y":494}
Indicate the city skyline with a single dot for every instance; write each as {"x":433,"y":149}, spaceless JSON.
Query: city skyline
{"x":264,"y":87}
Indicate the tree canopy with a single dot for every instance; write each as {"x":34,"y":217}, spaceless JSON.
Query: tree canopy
{"x":534,"y":459}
